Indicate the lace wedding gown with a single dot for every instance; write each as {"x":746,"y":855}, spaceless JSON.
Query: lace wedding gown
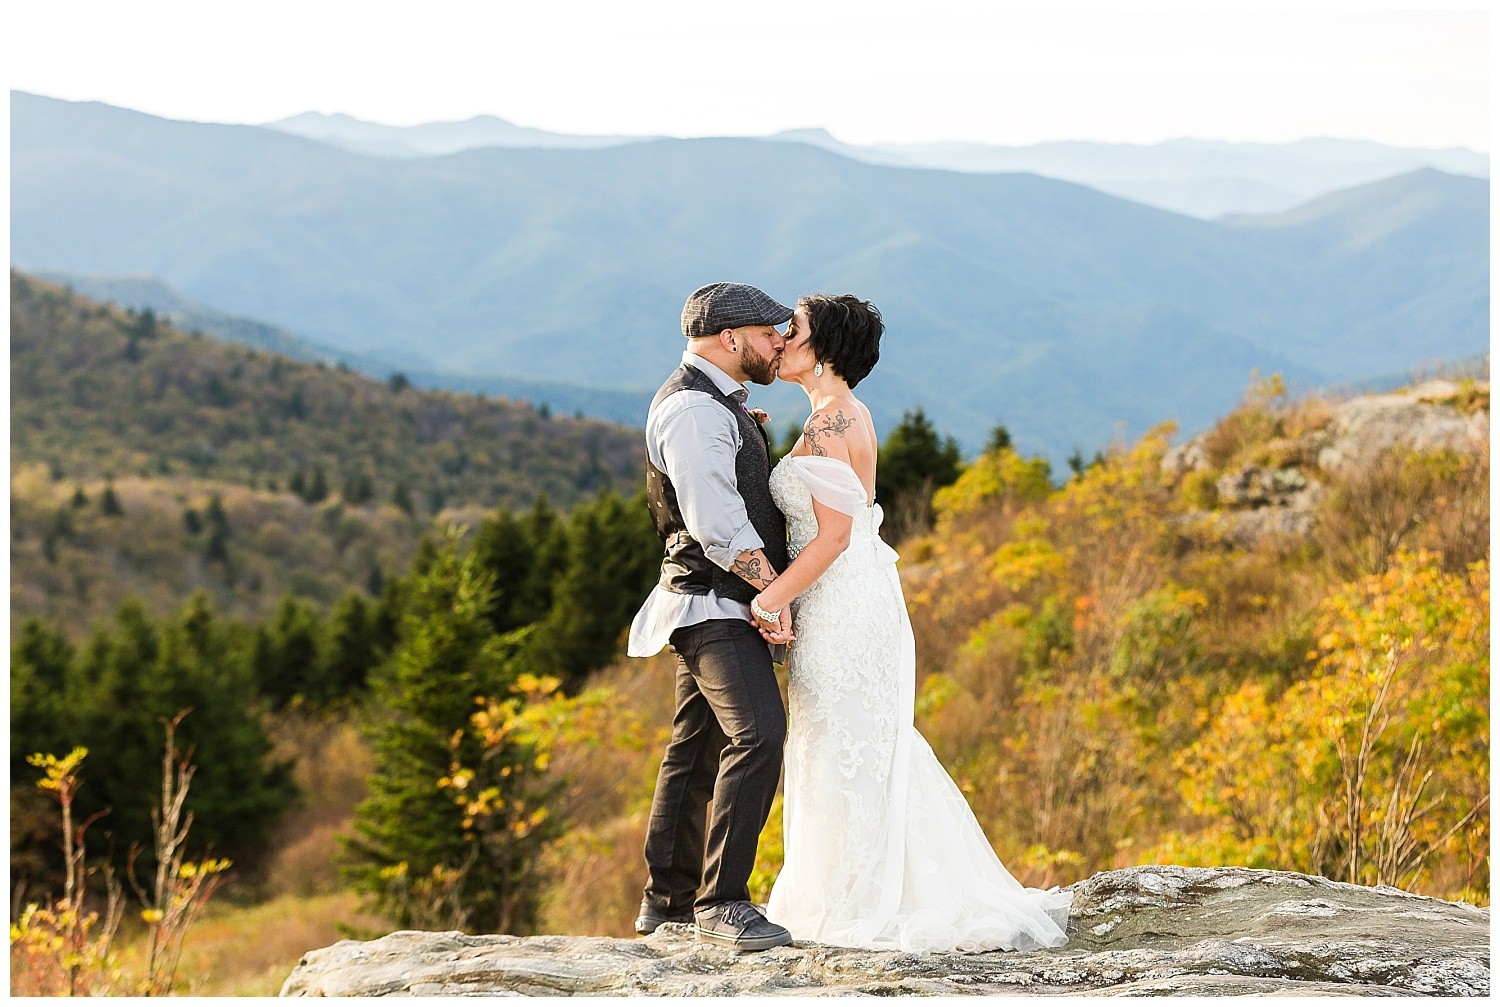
{"x":882,"y":850}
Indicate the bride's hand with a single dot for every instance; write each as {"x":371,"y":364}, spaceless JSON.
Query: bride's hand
{"x":779,"y":631}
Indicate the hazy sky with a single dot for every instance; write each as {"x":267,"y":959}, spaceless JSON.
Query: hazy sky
{"x":868,"y":71}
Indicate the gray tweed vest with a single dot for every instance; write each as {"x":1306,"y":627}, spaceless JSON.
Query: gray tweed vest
{"x":684,"y":568}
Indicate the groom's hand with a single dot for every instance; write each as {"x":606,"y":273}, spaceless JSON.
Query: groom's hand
{"x":781,"y":632}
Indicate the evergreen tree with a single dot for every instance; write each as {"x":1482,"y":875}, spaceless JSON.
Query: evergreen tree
{"x":914,"y":463}
{"x":447,"y":656}
{"x":401,"y":497}
{"x":191,"y":521}
{"x":80,"y":498}
{"x":358,"y":489}
{"x":130,"y":676}
{"x":298,"y":484}
{"x":549,"y":537}
{"x":317,"y":488}
{"x":286,"y":658}
{"x":216,"y":549}
{"x":40,"y":665}
{"x":914,"y":456}
{"x":503,"y":546}
{"x":612,"y":559}
{"x":999,"y":439}
{"x":109,"y":503}
{"x":238,"y":791}
{"x":349,"y":650}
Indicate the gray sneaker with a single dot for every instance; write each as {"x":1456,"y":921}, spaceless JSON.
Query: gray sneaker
{"x":651,"y":919}
{"x":741,"y":926}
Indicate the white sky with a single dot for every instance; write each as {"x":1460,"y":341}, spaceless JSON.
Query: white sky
{"x":868,"y":71}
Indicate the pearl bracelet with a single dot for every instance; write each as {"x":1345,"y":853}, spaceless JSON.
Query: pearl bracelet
{"x":762,"y":614}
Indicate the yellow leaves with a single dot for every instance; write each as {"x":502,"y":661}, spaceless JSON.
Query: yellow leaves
{"x":202,"y":869}
{"x":994,"y":476}
{"x":937,"y":689}
{"x":152,"y":916}
{"x":58,"y":774}
{"x":1023,"y":561}
{"x":1321,"y":774}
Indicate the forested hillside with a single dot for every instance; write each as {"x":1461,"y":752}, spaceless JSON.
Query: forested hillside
{"x":152,"y":462}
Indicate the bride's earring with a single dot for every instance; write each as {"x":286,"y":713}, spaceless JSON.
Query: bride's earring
{"x":818,"y":370}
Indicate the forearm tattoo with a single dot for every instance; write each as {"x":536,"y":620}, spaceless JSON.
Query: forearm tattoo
{"x":819,"y":428}
{"x":753,"y":568}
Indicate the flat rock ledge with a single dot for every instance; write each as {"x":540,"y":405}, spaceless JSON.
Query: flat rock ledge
{"x":1205,"y":931}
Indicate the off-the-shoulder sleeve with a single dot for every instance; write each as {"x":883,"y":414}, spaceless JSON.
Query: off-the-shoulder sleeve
{"x":832,"y":483}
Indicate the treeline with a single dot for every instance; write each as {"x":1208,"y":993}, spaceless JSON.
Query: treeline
{"x":563,"y":589}
{"x":96,"y":389}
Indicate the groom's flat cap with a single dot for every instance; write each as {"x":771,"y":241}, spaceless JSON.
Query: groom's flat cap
{"x":719,"y":306}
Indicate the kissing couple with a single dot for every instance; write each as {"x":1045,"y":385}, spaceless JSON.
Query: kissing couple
{"x":882,"y":850}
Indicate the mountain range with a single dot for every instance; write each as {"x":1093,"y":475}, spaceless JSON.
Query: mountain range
{"x":1070,"y":315}
{"x":1200,"y":178}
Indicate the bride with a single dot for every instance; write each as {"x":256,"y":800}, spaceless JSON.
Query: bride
{"x":882,"y":850}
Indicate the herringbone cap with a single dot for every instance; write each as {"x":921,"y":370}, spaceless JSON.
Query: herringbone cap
{"x":718,"y":306}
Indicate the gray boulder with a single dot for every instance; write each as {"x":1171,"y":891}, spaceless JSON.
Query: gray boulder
{"x":1143,"y":930}
{"x":1255,"y":501}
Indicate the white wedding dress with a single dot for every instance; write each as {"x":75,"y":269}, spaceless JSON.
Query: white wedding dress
{"x":882,"y":850}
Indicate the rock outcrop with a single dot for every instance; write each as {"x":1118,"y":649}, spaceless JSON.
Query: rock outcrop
{"x":1143,"y":930}
{"x":1255,"y":500}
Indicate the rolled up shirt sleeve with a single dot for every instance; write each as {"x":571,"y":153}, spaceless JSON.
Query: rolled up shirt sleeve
{"x":698,"y":441}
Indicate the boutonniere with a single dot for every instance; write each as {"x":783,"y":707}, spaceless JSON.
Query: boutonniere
{"x":760,"y":416}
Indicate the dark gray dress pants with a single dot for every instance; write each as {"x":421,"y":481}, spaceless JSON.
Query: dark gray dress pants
{"x":726,"y":745}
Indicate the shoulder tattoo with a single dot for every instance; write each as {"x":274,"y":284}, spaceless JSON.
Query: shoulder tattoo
{"x":820,"y":428}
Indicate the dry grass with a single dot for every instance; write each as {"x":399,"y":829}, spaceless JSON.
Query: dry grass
{"x":333,"y":765}
{"x":250,"y":950}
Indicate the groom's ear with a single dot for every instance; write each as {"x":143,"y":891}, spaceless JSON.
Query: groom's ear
{"x":727,"y":340}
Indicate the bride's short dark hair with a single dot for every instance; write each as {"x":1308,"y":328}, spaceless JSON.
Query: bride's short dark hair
{"x":846,"y":333}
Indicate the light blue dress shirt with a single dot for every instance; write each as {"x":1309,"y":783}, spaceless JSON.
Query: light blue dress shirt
{"x":693,"y":439}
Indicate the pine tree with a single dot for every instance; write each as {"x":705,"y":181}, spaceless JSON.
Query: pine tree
{"x":503,"y":546}
{"x":611,"y":559}
{"x":549,"y":537}
{"x":448,"y":654}
{"x":999,"y":439}
{"x":317,"y":489}
{"x":914,"y":456}
{"x":109,"y":503}
{"x":132,"y":674}
{"x":216,"y":549}
{"x":349,"y":650}
{"x":401,"y":497}
{"x":286,"y":658}
{"x":914,"y":463}
{"x":40,"y":664}
{"x":358,"y":489}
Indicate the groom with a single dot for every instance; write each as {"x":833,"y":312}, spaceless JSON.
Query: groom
{"x":708,"y":466}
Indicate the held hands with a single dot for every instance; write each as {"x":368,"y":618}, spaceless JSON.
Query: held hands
{"x":774,"y":630}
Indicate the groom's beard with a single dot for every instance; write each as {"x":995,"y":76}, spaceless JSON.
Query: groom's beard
{"x":761,"y":370}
